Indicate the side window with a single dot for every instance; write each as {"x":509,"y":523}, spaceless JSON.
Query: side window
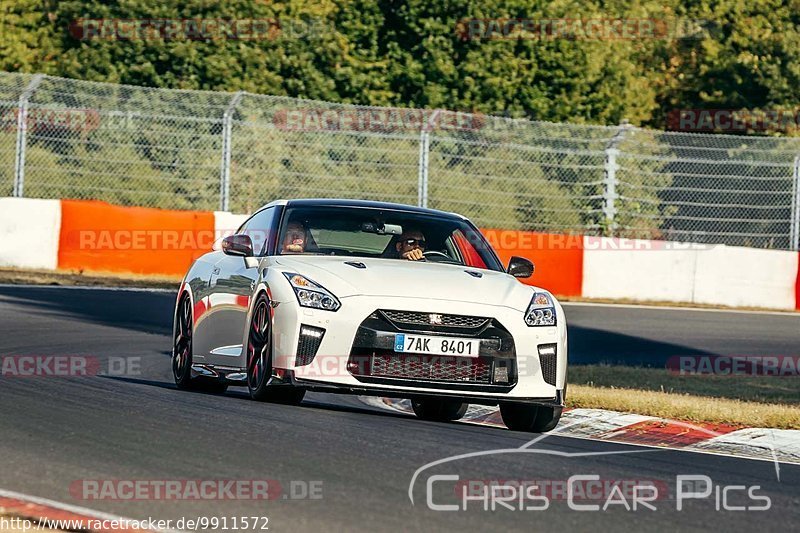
{"x":260,"y":228}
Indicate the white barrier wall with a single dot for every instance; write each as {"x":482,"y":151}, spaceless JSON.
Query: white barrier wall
{"x":691,"y":273}
{"x":636,"y":269}
{"x":226,"y":223}
{"x":29,"y":232}
{"x":746,"y":277}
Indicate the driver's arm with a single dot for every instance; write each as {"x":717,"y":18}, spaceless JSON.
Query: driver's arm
{"x":413,"y":255}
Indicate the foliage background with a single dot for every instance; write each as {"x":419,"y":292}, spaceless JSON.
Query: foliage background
{"x":408,"y":53}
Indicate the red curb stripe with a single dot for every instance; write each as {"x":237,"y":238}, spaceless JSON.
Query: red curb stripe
{"x":666,"y":433}
{"x":35,"y":511}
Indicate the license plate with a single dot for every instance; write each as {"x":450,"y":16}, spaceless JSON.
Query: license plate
{"x":425,"y":344}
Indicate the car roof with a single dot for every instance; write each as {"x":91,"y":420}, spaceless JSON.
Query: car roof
{"x":341,"y":202}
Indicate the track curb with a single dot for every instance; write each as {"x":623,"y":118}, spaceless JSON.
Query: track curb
{"x":42,"y":510}
{"x":777,"y":445}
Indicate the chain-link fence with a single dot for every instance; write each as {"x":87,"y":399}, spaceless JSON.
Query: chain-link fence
{"x":140,"y":146}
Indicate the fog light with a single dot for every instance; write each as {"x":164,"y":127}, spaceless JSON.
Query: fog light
{"x":311,"y":332}
{"x":547,"y":349}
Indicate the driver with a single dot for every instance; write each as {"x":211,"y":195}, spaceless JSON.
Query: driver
{"x":411,"y":245}
{"x":294,"y":241}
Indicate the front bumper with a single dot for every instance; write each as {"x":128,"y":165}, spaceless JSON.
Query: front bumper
{"x":288,"y":378}
{"x":351,"y":339}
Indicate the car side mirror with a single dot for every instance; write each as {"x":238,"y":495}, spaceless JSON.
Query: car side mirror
{"x":241,"y":245}
{"x":519,"y":267}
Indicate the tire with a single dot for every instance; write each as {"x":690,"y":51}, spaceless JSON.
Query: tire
{"x":439,"y":410}
{"x":259,"y":360}
{"x":529,"y":417}
{"x":259,"y":350}
{"x":182,"y":353}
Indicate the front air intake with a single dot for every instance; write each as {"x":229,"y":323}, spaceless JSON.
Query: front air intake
{"x":548,"y":360}
{"x":308,"y":344}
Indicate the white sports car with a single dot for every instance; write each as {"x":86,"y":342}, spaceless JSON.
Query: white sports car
{"x":372,"y":298}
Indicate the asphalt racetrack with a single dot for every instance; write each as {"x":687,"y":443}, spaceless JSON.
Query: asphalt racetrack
{"x":358,"y":461}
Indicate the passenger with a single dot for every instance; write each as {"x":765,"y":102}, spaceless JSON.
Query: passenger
{"x":294,"y":241}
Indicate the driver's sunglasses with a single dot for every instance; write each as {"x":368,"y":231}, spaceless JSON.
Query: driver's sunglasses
{"x":412,"y":242}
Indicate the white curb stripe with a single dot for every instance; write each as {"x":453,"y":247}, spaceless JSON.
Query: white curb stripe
{"x":783,"y":444}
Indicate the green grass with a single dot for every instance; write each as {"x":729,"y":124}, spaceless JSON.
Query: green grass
{"x":747,"y":401}
{"x":760,"y":389}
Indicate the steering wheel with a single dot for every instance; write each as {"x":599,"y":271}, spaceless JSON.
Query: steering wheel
{"x":436,"y":257}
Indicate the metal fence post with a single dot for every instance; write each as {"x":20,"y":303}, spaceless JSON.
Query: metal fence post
{"x":22,"y":130}
{"x":422,"y":183}
{"x":610,"y":188}
{"x":424,"y":157}
{"x":610,"y":182}
{"x":794,"y":229}
{"x":225,"y":165}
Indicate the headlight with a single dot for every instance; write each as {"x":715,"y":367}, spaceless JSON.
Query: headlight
{"x":310,"y":294}
{"x":541,"y":311}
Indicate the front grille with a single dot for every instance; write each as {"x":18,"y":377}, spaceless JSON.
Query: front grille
{"x":307,"y":346}
{"x":548,"y":364}
{"x":431,"y":367}
{"x":373,"y":358}
{"x":406,"y":318}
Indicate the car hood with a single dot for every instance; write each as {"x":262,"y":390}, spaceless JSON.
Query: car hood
{"x":408,"y":279}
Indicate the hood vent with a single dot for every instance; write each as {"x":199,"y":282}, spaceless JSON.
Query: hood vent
{"x":356,"y":264}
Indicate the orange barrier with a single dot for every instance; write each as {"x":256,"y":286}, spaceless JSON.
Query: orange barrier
{"x":558,"y":258}
{"x":97,"y":236}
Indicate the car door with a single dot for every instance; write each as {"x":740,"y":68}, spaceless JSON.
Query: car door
{"x":233,"y":279}
{"x":198,"y":280}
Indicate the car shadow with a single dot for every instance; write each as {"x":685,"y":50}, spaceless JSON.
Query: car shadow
{"x":596,"y":346}
{"x":151,"y":312}
{"x":145,"y":311}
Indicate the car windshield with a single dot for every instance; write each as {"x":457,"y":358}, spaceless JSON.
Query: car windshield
{"x":384,"y":233}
